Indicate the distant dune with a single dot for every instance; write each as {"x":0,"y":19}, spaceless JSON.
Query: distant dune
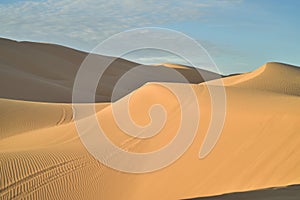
{"x":42,"y":156}
{"x":48,"y":71}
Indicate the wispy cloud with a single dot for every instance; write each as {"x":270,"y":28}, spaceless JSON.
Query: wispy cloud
{"x":85,"y":23}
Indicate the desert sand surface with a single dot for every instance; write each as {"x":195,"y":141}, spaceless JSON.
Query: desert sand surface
{"x":42,"y":156}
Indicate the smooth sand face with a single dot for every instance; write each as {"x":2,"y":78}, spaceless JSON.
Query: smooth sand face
{"x":42,"y":156}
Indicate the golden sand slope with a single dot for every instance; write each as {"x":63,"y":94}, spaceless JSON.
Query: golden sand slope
{"x":274,"y":77}
{"x":23,"y":116}
{"x":259,"y":146}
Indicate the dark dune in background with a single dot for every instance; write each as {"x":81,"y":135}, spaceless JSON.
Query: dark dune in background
{"x":47,"y":73}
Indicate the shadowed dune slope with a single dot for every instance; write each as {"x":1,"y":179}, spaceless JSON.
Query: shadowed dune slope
{"x":286,"y":193}
{"x":48,"y":71}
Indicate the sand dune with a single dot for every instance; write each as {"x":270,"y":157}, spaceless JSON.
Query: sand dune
{"x":22,"y":116}
{"x":17,"y":116}
{"x":48,"y":71}
{"x":271,"y":77}
{"x":42,"y":156}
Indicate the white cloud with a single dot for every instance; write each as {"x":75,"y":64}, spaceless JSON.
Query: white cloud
{"x":85,"y":23}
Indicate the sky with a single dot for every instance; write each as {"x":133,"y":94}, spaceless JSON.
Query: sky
{"x":240,"y":35}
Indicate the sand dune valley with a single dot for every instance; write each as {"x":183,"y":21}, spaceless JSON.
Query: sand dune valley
{"x":42,"y":156}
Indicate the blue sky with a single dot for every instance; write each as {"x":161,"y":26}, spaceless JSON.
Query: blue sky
{"x":240,"y":35}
